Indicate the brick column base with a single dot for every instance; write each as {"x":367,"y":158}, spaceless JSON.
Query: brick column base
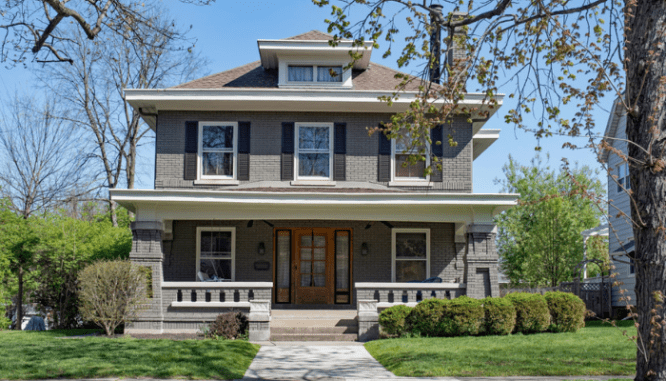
{"x":481,"y":261}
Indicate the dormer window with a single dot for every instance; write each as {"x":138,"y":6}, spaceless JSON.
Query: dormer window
{"x":298,"y":73}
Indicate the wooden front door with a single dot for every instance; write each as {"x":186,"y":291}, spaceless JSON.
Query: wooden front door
{"x":313,"y":266}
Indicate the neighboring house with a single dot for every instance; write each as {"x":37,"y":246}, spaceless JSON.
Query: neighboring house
{"x":620,"y":235}
{"x":267,"y":180}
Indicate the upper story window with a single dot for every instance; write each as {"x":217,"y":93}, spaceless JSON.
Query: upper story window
{"x":218,"y":147}
{"x":402,"y":169}
{"x":298,"y":73}
{"x":314,"y":151}
{"x":623,"y":177}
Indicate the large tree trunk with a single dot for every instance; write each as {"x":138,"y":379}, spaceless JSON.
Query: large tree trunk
{"x":646,"y":129}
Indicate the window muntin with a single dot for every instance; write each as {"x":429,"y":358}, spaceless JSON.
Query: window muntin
{"x":300,"y":73}
{"x":623,"y":177}
{"x":314,"y":151}
{"x":216,"y":249}
{"x":400,"y":156}
{"x":217,"y":149}
{"x":324,"y":74}
{"x":411,"y":254}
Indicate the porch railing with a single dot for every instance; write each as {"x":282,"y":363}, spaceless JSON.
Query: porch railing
{"x":215,"y":294}
{"x":390,"y":294}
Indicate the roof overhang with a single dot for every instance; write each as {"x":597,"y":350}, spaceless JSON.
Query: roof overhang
{"x":149,"y":102}
{"x":611,"y":128}
{"x":159,"y":205}
{"x":482,"y":139}
{"x":270,"y":50}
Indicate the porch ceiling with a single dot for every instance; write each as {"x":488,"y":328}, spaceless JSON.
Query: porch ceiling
{"x":158,"y":205}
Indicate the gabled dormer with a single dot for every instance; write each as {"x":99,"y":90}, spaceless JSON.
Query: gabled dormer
{"x":309,"y":61}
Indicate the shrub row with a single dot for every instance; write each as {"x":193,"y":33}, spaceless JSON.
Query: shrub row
{"x":464,"y":316}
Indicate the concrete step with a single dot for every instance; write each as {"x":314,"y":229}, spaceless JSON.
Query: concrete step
{"x":314,"y":330}
{"x":313,"y":314}
{"x":315,"y":323}
{"x":314,"y":337}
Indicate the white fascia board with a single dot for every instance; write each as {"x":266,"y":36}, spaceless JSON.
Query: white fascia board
{"x":270,"y":49}
{"x":484,"y":139}
{"x":158,"y":205}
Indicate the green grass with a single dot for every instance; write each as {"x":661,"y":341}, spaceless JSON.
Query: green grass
{"x":592,"y":351}
{"x":39,"y":355}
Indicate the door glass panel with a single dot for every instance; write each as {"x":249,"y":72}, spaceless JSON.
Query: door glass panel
{"x":306,"y":267}
{"x":306,"y":240}
{"x":342,"y":289}
{"x":319,"y":241}
{"x":320,"y":254}
{"x":282,"y":266}
{"x":319,"y":267}
{"x":319,"y":280}
{"x":306,"y":254}
{"x":306,"y":280}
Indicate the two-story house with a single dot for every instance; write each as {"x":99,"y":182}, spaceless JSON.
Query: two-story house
{"x":268,"y":187}
{"x":621,"y":234}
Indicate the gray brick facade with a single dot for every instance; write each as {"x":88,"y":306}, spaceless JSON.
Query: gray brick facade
{"x":482,"y":262}
{"x":361,"y":157}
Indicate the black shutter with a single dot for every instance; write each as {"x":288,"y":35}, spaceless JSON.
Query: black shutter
{"x":244,"y":151}
{"x":384,"y":158}
{"x":339,"y":151}
{"x":191,"y":147}
{"x":437,"y":150}
{"x":287,"y":162}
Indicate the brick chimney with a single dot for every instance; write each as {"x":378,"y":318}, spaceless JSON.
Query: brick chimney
{"x":456,"y":54}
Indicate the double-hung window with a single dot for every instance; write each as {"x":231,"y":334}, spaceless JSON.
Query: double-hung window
{"x":401,"y":168}
{"x":218,"y":148}
{"x":216,"y":249}
{"x":306,"y":73}
{"x":623,"y":177}
{"x":411,"y":254}
{"x":314,"y":145}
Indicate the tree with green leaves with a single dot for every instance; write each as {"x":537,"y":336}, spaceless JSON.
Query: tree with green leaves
{"x":540,"y":241}
{"x":551,"y":56}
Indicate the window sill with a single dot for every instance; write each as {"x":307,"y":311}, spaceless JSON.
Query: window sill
{"x":216,"y":182}
{"x":320,"y":183}
{"x":423,"y":183}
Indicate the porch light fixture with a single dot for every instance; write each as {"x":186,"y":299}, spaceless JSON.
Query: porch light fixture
{"x":261,"y":250}
{"x":364,"y":248}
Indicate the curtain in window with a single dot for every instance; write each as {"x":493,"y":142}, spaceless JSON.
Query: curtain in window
{"x":300,"y":73}
{"x":324,"y":74}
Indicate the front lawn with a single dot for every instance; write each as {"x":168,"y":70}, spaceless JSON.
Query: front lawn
{"x":595,"y":350}
{"x":39,"y":355}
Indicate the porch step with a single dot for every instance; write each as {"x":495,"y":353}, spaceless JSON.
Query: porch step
{"x":314,"y":337}
{"x":314,"y":325}
{"x":314,"y":330}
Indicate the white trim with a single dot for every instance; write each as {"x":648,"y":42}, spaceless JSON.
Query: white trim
{"x":283,"y":76}
{"x":400,"y":183}
{"x":200,"y":175}
{"x":388,"y":305}
{"x":394,"y":231}
{"x":297,"y":151}
{"x":201,"y":229}
{"x":411,"y":180}
{"x":408,"y":286}
{"x":216,"y":285}
{"x":216,"y":182}
{"x":211,"y":304}
{"x":319,"y":183}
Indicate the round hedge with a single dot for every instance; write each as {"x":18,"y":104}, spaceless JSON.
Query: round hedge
{"x":567,"y":311}
{"x":532,"y":314}
{"x":392,"y":320}
{"x":462,"y":316}
{"x":499,"y":316}
{"x":425,"y":317}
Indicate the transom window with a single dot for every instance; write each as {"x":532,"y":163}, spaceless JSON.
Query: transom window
{"x":314,"y":151}
{"x":217,"y":149}
{"x":411,"y":254}
{"x":402,"y":170}
{"x":216,"y":249}
{"x":306,"y":73}
{"x":623,"y":177}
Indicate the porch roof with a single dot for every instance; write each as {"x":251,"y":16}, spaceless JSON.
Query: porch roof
{"x":158,"y":205}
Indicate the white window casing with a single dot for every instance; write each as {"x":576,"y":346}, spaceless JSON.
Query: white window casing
{"x":298,"y":151}
{"x":315,"y":64}
{"x":201,"y":178}
{"x":411,"y":180}
{"x":394,"y":258}
{"x":231,"y":257}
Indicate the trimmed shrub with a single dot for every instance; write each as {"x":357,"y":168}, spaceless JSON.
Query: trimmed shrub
{"x":392,"y":320}
{"x":230,"y":326}
{"x":532,"y":314}
{"x":424,"y":319}
{"x":462,"y":316}
{"x":567,"y":311}
{"x":499,"y":316}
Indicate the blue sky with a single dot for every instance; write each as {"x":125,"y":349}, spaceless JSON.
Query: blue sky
{"x":227,"y":34}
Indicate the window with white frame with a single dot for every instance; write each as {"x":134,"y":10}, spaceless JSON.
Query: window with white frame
{"x":306,"y":73}
{"x":314,"y":151}
{"x":401,"y":148}
{"x":411,"y":254}
{"x":218,"y":147}
{"x":216,"y":253}
{"x":623,"y":177}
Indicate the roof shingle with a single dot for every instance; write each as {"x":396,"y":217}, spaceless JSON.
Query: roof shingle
{"x":313,"y":35}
